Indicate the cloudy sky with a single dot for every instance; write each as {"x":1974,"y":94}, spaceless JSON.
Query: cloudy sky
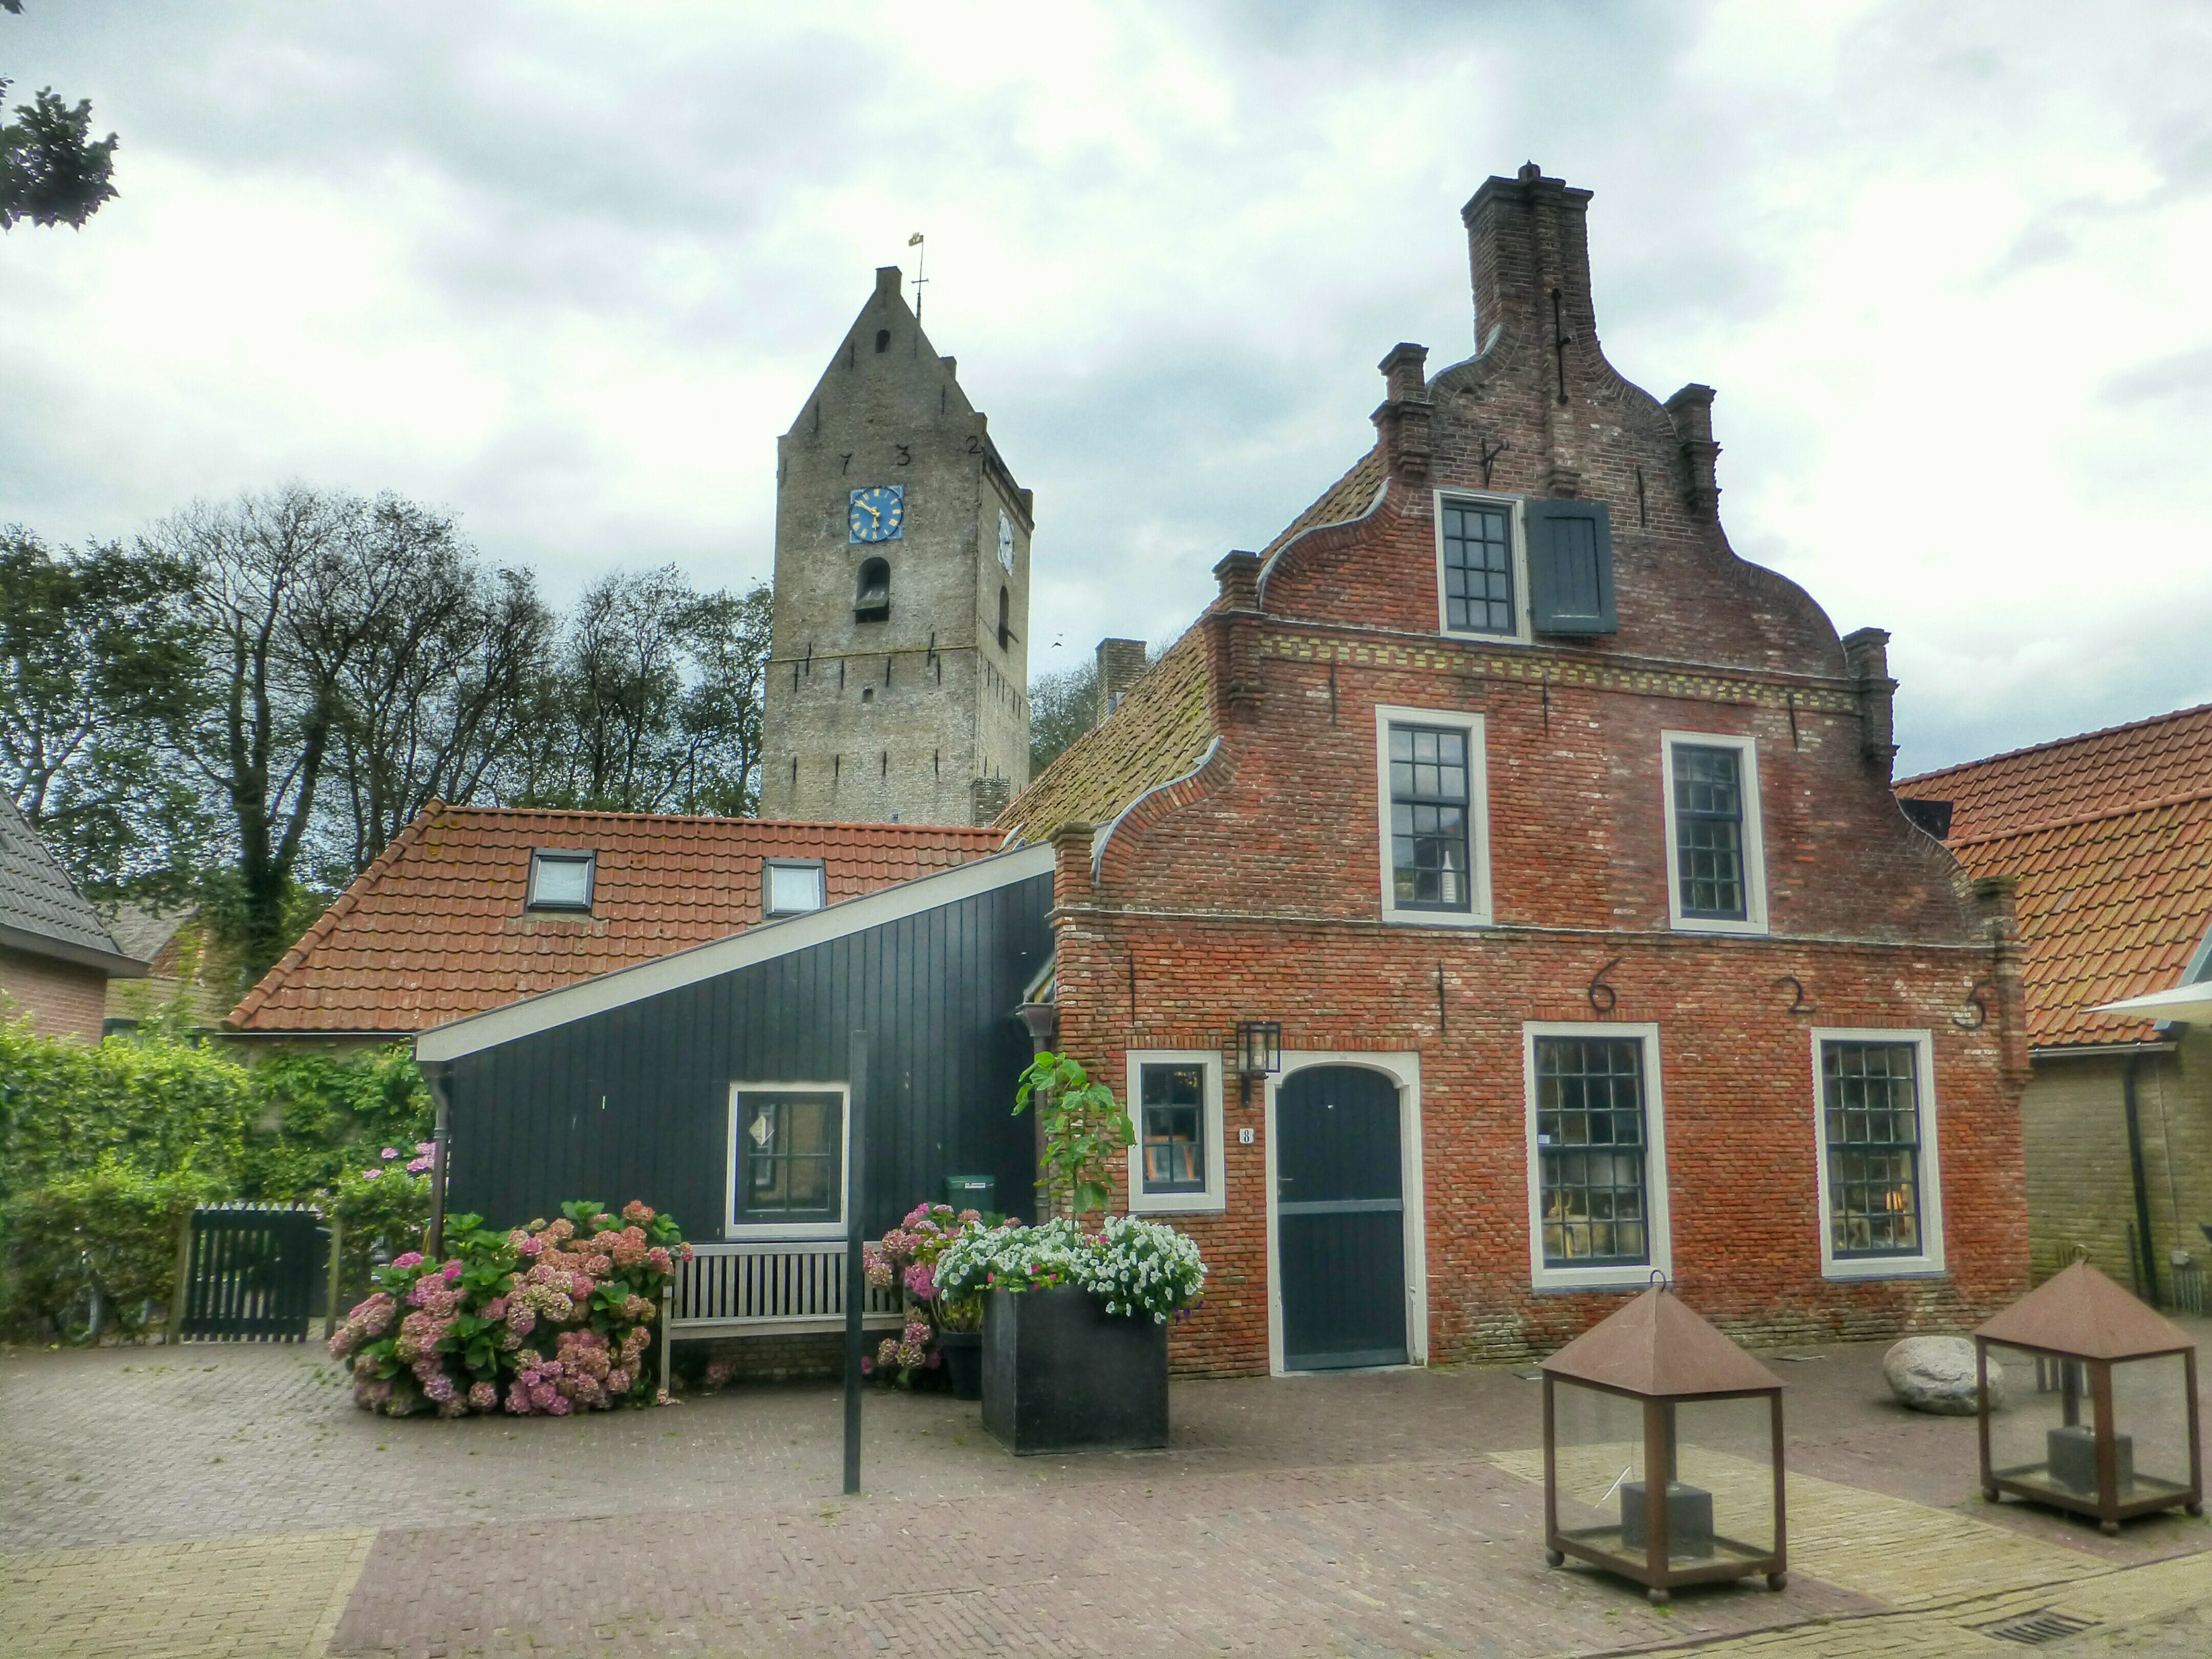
{"x":569,"y":268}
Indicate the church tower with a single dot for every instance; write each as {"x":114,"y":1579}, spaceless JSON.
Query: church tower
{"x":898,"y":667}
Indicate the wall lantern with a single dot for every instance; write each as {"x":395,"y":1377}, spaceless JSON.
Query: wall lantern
{"x":2099,"y":1412}
{"x":1654,"y":1401}
{"x":1258,"y":1054}
{"x":1259,"y":1047}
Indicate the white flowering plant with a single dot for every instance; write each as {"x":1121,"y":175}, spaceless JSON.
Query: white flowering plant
{"x":1141,"y":1267}
{"x":1135,"y":1267}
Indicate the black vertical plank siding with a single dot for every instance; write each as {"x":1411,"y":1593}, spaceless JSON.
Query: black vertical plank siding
{"x":937,"y":990}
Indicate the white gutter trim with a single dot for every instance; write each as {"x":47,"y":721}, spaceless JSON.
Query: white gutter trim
{"x":768,"y":940}
{"x":1098,"y":842}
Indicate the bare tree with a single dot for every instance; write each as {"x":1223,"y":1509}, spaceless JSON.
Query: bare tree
{"x":292,"y":589}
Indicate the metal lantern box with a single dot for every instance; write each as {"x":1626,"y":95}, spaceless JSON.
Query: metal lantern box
{"x":2100,"y":1403}
{"x":1654,"y":1401}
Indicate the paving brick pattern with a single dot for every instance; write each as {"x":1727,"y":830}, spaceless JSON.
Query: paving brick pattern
{"x":206,"y":1501}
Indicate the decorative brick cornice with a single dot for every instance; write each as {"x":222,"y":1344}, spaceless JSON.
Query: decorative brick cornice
{"x":1536,"y":667}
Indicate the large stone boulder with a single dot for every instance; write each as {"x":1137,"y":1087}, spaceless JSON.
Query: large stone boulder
{"x":1936,"y":1374}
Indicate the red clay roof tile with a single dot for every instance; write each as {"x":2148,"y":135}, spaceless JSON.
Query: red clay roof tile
{"x":2110,"y":837}
{"x":434,"y":929}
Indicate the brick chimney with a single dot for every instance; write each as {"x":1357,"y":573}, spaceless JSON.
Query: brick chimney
{"x":1121,"y":662}
{"x":888,"y":280}
{"x":1527,"y":246}
{"x":1527,"y":239}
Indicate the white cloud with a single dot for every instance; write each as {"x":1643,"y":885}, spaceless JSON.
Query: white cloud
{"x":570,"y":268}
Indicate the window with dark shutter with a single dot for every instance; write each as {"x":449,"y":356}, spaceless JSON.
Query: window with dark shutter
{"x":1571,"y":567}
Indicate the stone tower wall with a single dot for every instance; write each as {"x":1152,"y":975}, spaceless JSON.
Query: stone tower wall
{"x":897,"y":717}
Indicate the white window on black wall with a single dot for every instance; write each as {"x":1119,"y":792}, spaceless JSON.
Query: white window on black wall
{"x":1433,"y":820}
{"x":1175,"y":1097}
{"x":786,"y":1160}
{"x":1874,"y":1110}
{"x":1715,"y":844}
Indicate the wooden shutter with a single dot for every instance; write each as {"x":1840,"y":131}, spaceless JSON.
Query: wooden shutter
{"x":1571,"y":567}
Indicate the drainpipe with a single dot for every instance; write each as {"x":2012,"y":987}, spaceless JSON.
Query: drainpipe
{"x":2149,"y":1256}
{"x":433,"y":1235}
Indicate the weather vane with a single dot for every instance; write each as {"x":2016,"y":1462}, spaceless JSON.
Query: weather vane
{"x":920,"y":264}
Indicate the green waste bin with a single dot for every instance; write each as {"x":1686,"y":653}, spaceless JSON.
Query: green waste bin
{"x":972,"y":1191}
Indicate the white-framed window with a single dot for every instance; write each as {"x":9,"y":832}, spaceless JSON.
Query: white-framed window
{"x":1174,"y":1101}
{"x":1597,"y":1156}
{"x":790,"y":887}
{"x":1874,"y":1142}
{"x":1433,"y":816}
{"x":1482,"y":565}
{"x":788,"y":1170}
{"x":562,"y":878}
{"x":1716,"y":842}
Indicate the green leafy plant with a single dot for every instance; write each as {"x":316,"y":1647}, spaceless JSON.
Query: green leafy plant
{"x":120,"y":1221}
{"x":1086,"y":1133}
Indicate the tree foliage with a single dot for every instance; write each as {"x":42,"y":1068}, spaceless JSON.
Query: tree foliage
{"x":652,"y":703}
{"x":1063,"y":706}
{"x":96,"y":663}
{"x":52,"y":171}
{"x":241,"y":708}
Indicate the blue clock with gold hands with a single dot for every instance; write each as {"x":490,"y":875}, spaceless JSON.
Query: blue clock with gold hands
{"x":876,"y":513}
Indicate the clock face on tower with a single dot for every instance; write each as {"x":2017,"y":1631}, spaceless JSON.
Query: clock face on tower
{"x":1007,"y":544}
{"x":876,"y":513}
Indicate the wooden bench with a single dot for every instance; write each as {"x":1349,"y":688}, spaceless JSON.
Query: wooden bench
{"x":765,"y":1289}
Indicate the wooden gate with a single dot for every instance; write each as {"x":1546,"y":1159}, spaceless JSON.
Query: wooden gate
{"x":253,"y":1272}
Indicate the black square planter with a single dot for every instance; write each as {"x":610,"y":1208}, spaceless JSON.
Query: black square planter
{"x":1061,"y":1374}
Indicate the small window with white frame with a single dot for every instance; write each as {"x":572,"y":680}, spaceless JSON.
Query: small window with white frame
{"x":787,"y":1169}
{"x":1482,"y":568}
{"x":1715,"y":841}
{"x":1434,"y":816}
{"x":790,"y":887}
{"x":1597,"y":1156}
{"x":1881,"y":1195}
{"x":1174,"y":1099}
{"x":563,"y":879}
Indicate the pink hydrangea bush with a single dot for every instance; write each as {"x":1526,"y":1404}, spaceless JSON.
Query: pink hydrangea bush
{"x":543,"y":1320}
{"x":906,"y":1257}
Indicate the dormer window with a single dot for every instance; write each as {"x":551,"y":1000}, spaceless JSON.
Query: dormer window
{"x":790,"y":887}
{"x":872,"y":595}
{"x":562,"y":879}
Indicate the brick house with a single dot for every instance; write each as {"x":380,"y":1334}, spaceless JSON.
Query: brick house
{"x":1560,"y":843}
{"x":2109,"y":836}
{"x":476,"y":907}
{"x":56,"y":954}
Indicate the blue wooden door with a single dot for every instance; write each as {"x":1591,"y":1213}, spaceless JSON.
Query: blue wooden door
{"x":1340,"y":1219}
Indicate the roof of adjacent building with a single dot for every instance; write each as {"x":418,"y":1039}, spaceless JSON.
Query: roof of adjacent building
{"x":41,"y":912}
{"x":2110,"y":837}
{"x":435,"y":929}
{"x":1162,"y":729}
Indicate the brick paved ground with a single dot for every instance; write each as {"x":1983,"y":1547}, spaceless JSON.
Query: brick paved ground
{"x":206,"y":1501}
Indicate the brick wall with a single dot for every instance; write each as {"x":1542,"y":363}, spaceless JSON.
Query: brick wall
{"x":1254,"y":890}
{"x":62,"y":999}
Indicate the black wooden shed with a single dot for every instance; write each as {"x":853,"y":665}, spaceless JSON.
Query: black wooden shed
{"x":715,"y":1083}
